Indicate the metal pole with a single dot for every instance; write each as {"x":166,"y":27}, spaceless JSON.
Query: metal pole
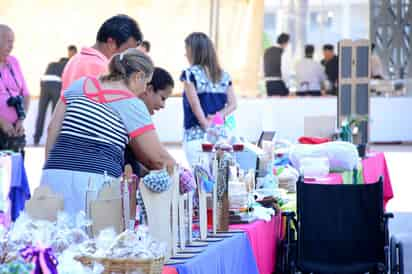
{"x":212,"y":19}
{"x":217,"y":9}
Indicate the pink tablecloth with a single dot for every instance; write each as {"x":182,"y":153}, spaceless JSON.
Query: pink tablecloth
{"x":374,"y":166}
{"x":169,"y":270}
{"x":264,"y":237}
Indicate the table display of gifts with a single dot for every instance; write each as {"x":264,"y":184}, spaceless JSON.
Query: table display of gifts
{"x":241,"y":190}
{"x":107,"y":206}
{"x":66,"y":248}
{"x":233,"y":196}
{"x":108,"y":243}
{"x":219,"y":163}
{"x":218,"y":146}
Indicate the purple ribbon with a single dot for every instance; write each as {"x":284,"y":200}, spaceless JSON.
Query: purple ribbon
{"x":43,"y":259}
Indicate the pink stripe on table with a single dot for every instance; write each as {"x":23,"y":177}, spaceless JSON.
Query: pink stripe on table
{"x":374,"y":166}
{"x":169,"y":270}
{"x":264,"y":237}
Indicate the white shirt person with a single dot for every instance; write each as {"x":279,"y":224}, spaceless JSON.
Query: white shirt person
{"x":309,"y":74}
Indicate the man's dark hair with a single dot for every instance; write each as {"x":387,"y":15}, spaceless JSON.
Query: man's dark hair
{"x":373,"y":46}
{"x":328,"y":47}
{"x":120,"y":28}
{"x":161,"y":79}
{"x":283,"y":38}
{"x":309,"y":50}
{"x":146,"y":45}
{"x":72,"y":48}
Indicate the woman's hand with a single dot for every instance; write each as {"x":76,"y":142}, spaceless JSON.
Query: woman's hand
{"x":207,"y":122}
{"x":7,"y":128}
{"x":19,"y":128}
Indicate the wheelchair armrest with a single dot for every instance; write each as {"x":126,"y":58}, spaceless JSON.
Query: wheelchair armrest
{"x":388,"y":215}
{"x":385,"y":225}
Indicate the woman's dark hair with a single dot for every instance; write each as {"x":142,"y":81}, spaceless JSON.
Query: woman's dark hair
{"x":328,"y":47}
{"x":120,"y":28}
{"x":309,"y":50}
{"x":203,"y":53}
{"x":124,"y":64}
{"x":72,"y":48}
{"x":161,"y":79}
{"x":283,"y":38}
{"x":146,"y":45}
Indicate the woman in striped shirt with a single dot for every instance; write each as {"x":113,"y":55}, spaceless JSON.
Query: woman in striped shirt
{"x":93,"y":122}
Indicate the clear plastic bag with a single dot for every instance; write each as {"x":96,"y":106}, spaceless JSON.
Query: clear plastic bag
{"x":314,"y":167}
{"x":68,"y":265}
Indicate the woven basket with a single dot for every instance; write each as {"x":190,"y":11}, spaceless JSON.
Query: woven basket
{"x":125,"y":266}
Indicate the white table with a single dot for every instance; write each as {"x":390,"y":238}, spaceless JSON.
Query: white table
{"x":390,"y":117}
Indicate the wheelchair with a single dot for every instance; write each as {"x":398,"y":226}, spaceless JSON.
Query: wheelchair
{"x":338,"y":229}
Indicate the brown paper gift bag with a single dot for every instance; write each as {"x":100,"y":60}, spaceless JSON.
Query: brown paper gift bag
{"x":44,"y":204}
{"x":107,"y":210}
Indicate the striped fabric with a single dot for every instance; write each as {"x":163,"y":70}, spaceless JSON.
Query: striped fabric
{"x":90,"y":120}
{"x":94,"y":134}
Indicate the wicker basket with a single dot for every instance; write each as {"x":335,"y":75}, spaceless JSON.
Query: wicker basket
{"x":125,"y":266}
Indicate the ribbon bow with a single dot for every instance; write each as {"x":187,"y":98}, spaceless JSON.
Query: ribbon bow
{"x":43,"y":259}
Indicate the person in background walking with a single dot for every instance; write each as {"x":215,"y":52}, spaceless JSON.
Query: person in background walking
{"x":376,"y":64}
{"x":331,"y":64}
{"x":50,"y":88}
{"x":309,"y":74}
{"x":272,"y":64}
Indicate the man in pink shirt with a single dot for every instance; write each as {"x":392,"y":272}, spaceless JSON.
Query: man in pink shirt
{"x":14,"y":95}
{"x":117,"y":34}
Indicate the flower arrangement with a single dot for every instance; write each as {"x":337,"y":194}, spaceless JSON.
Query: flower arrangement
{"x":350,"y":127}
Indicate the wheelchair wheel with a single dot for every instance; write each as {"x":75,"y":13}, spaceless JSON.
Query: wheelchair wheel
{"x":286,"y":258}
{"x":291,"y":253}
{"x":396,"y":255}
{"x":292,"y":269}
{"x":281,"y":258}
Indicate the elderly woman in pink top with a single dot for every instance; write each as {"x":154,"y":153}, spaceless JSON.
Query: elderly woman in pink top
{"x":14,"y":95}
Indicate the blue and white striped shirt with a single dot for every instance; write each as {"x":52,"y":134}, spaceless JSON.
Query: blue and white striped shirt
{"x":95,"y":131}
